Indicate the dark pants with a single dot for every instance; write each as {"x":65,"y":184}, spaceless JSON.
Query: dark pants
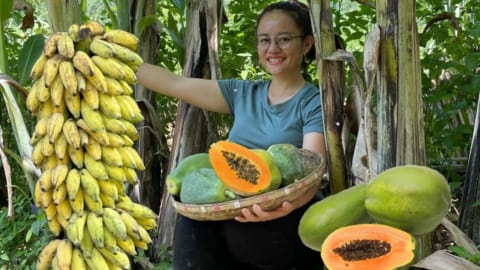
{"x":231,"y":245}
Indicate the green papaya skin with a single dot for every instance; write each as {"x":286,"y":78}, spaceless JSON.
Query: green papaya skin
{"x":289,"y":162}
{"x":202,"y":186}
{"x":175,"y":178}
{"x":412,"y":198}
{"x":274,"y":171}
{"x":335,"y":211}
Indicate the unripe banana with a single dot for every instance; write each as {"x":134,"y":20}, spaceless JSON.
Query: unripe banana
{"x":114,"y":223}
{"x":76,"y":228}
{"x":77,"y":203}
{"x":89,"y":185}
{"x":37,"y":69}
{"x":46,"y":255}
{"x":110,"y":241}
{"x":65,"y":46}
{"x":119,"y":258}
{"x":71,"y":133}
{"x":95,"y":168}
{"x":68,"y":77}
{"x":92,"y":205}
{"x":131,"y":224}
{"x":136,"y":210}
{"x":95,"y":229}
{"x":54,"y":127}
{"x":51,"y":69}
{"x":107,"y":201}
{"x":86,"y":245}
{"x":109,"y":67}
{"x":109,"y":106}
{"x":96,"y":261}
{"x":102,"y":48}
{"x":122,"y":37}
{"x":92,"y":118}
{"x":73,"y":30}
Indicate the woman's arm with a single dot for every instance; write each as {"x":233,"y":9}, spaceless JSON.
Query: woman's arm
{"x":201,"y":93}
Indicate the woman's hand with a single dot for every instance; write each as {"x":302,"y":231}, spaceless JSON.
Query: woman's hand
{"x":257,"y":214}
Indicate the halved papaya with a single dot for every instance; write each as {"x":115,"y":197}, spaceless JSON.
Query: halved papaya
{"x":368,"y":246}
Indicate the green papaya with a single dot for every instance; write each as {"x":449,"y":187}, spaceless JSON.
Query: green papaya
{"x":175,"y":178}
{"x":274,"y":171}
{"x":412,"y":198}
{"x":288,"y":160}
{"x":202,"y":186}
{"x":335,"y":211}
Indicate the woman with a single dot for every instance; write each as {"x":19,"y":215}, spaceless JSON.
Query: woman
{"x":284,"y":109}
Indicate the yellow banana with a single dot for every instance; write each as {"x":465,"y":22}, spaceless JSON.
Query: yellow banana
{"x":107,"y":201}
{"x":136,"y":210}
{"x":83,"y":63}
{"x":116,"y":173}
{"x":59,"y":193}
{"x":63,"y":222}
{"x":131,"y":175}
{"x":37,"y":69}
{"x":109,"y":67}
{"x":127,"y":141}
{"x":77,"y":203}
{"x":56,"y":91}
{"x":76,"y":228}
{"x":46,"y":255}
{"x":101,"y":137}
{"x":94,"y":149}
{"x":115,"y":140}
{"x":42,"y":91}
{"x":114,"y":88}
{"x":128,"y":160}
{"x":68,"y":77}
{"x":140,"y":244}
{"x":119,"y":258}
{"x":110,"y":241}
{"x":37,"y":155}
{"x":91,"y":96}
{"x":65,"y":46}
{"x":71,"y":133}
{"x":39,"y":131}
{"x":37,"y":195}
{"x":95,"y":168}
{"x":131,"y":224}
{"x":114,"y":223}
{"x":128,"y":246}
{"x":89,"y":185}
{"x":54,"y":127}
{"x":78,"y":263}
{"x":54,"y":226}
{"x":50,"y":211}
{"x":96,"y":261}
{"x":81,"y":81}
{"x":51,"y":69}
{"x":45,"y":180}
{"x":76,"y":155}
{"x":92,"y":118}
{"x":86,"y":244}
{"x":64,"y":209}
{"x":113,"y":125}
{"x":128,"y":73}
{"x":46,"y":197}
{"x":122,"y":37}
{"x":95,"y":229}
{"x":98,"y":79}
{"x":46,"y":109}
{"x":50,"y":163}
{"x":139,"y":165}
{"x":73,"y":30}
{"x":108,"y":188}
{"x":101,"y":48}
{"x":59,"y":175}
{"x":32,"y":102}
{"x":111,"y":156}
{"x":73,"y":183}
{"x":109,"y":106}
{"x":64,"y":254}
{"x":126,"y":55}
{"x":94,"y":206}
{"x":50,"y":47}
{"x":60,"y":146}
{"x":47,"y":147}
{"x":127,"y":89}
{"x":131,"y":129}
{"x":61,"y":108}
{"x":84,"y":137}
{"x":129,"y":108}
{"x":73,"y":103}
{"x":147,"y":223}
{"x":95,"y":28}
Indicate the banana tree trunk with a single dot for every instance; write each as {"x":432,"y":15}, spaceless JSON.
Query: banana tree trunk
{"x":62,"y":14}
{"x":331,"y":84}
{"x":191,"y":134}
{"x":400,"y":109}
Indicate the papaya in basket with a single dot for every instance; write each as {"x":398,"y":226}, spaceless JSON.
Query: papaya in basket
{"x":289,"y":161}
{"x":175,"y":178}
{"x":202,"y":186}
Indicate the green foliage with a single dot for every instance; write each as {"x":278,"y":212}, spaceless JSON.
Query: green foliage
{"x":460,"y":251}
{"x":24,"y":237}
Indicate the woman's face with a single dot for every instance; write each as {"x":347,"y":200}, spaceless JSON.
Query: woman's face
{"x":280,"y":44}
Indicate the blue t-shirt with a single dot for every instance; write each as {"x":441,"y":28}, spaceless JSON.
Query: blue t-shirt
{"x":257,"y":124}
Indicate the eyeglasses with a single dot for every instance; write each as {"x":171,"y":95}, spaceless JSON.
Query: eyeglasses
{"x":283,"y":42}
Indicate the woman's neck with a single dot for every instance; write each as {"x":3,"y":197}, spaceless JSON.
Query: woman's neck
{"x":281,"y":90}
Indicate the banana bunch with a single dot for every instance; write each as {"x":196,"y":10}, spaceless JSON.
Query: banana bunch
{"x":81,"y":98}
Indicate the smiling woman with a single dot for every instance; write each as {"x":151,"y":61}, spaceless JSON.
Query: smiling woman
{"x":283,"y":109}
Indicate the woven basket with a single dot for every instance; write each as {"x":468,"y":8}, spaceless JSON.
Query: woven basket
{"x":313,"y":164}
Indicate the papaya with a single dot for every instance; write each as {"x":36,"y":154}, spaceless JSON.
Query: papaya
{"x":239,"y":168}
{"x":175,"y":178}
{"x":274,"y":171}
{"x":202,"y":186}
{"x":288,"y":160}
{"x":368,"y":246}
{"x":411,"y":197}
{"x":337,"y":210}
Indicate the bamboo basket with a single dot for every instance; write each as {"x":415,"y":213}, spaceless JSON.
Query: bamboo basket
{"x":314,"y":168}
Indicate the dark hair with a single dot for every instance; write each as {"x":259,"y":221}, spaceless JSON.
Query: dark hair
{"x":300,"y":15}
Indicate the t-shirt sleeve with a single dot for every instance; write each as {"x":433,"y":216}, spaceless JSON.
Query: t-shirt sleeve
{"x":312,"y":114}
{"x":228,"y":89}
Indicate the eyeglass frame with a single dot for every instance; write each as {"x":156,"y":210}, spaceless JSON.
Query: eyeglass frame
{"x":277,"y":41}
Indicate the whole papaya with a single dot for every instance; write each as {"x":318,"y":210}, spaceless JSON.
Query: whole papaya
{"x":175,"y":178}
{"x":412,"y":198}
{"x":202,"y":186}
{"x":288,"y":160}
{"x":335,"y":211}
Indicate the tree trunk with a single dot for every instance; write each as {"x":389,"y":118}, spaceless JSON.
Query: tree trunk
{"x":191,"y":134}
{"x":331,"y":84}
{"x":400,"y":109}
{"x":62,"y":14}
